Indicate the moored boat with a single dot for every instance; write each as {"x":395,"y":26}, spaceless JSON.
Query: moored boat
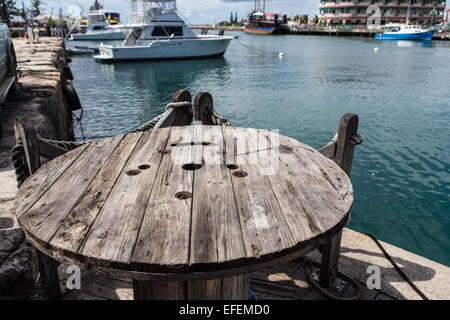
{"x":164,"y":35}
{"x":99,"y":27}
{"x":266,"y":23}
{"x":405,"y":32}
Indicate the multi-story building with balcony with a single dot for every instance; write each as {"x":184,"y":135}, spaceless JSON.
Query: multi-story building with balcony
{"x":354,"y":12}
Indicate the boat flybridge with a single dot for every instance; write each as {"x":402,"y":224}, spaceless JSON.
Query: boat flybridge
{"x":159,"y":33}
{"x":99,"y":28}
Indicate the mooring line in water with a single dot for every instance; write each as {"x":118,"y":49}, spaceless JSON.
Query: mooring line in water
{"x":79,"y":120}
{"x":397,"y":268}
{"x":253,"y":51}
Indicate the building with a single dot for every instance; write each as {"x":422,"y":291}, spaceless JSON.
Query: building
{"x":354,"y":12}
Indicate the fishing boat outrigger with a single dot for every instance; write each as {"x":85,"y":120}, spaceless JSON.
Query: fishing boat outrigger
{"x":163,"y":35}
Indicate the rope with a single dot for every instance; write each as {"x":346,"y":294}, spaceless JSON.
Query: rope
{"x":183,"y":104}
{"x":19,"y":162}
{"x":24,"y":71}
{"x":219,"y":120}
{"x":397,"y":268}
{"x":27,"y":94}
{"x":152,"y":123}
{"x":66,"y":145}
{"x":79,"y":119}
{"x":357,"y":140}
{"x":356,"y":296}
{"x":149,"y":125}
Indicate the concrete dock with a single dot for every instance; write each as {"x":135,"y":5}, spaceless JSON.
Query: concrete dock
{"x":41,"y":101}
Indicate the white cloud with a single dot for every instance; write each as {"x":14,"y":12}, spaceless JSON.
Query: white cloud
{"x":201,"y":11}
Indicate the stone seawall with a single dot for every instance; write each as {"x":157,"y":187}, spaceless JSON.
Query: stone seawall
{"x":42,"y":71}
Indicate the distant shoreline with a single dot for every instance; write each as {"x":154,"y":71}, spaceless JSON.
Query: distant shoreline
{"x":209,"y":27}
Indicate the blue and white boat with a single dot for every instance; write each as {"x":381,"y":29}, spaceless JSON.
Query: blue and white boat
{"x":405,"y":32}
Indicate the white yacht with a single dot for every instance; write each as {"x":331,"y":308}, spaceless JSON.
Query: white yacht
{"x":99,"y":28}
{"x":161,"y":34}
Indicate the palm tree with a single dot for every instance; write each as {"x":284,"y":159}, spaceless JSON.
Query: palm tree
{"x":8,"y":10}
{"x":36,"y":7}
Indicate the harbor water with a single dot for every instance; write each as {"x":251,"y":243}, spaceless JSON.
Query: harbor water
{"x":400,"y":90}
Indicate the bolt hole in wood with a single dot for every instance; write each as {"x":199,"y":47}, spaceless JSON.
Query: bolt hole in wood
{"x":183,"y":144}
{"x":183,"y":195}
{"x":191,"y":166}
{"x":240,"y":174}
{"x":232,"y":166}
{"x":132,"y":173}
{"x":144,"y":167}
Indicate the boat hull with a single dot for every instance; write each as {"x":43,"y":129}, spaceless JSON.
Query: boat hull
{"x":166,"y":50}
{"x":428,"y":35}
{"x":259,"y":30}
{"x":116,"y":35}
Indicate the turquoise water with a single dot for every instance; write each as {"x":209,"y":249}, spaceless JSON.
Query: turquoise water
{"x":401,"y":93}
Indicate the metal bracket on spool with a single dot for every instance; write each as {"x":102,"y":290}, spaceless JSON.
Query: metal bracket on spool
{"x":336,"y":284}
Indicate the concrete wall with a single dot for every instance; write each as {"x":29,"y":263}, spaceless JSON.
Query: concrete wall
{"x":40,"y":100}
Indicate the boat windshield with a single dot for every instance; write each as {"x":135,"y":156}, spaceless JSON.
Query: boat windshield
{"x":393,"y":28}
{"x":93,"y":18}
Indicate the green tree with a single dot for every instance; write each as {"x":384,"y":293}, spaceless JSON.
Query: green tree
{"x":316,"y":19}
{"x":236,"y":18}
{"x":36,"y":7}
{"x":8,"y":10}
{"x":23,"y":12}
{"x":231,"y":18}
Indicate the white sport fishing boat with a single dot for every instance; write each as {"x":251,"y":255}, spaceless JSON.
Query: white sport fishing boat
{"x":99,"y":28}
{"x":161,"y":34}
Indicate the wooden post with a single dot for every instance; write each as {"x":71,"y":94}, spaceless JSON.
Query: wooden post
{"x":184,"y":116}
{"x":345,"y":148}
{"x":180,"y":116}
{"x":230,"y":288}
{"x":26,"y":133}
{"x":48,"y":267}
{"x":204,"y":109}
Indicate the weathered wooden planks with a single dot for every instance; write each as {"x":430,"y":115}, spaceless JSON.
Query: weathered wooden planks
{"x":263,"y":226}
{"x":216,"y":236}
{"x":135,"y":203}
{"x":163,"y":242}
{"x":36,"y":185}
{"x":112,"y":237}
{"x":44,"y":217}
{"x":76,"y":225}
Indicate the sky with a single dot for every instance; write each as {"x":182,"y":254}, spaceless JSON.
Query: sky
{"x":197,"y":11}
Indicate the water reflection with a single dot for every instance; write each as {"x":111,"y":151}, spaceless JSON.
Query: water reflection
{"x":410,"y":43}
